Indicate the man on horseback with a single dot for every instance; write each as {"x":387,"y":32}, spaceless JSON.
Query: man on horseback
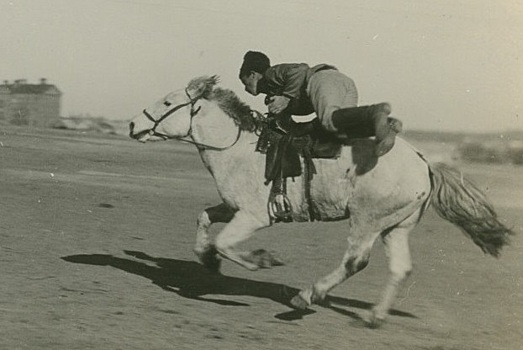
{"x":297,"y":89}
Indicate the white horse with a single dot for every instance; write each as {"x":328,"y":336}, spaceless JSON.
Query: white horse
{"x":377,"y":197}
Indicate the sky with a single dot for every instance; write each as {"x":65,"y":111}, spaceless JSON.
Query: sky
{"x":446,"y":65}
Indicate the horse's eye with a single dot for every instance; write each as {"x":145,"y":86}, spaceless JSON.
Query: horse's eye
{"x":167,"y":103}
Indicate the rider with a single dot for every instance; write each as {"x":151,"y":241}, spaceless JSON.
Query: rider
{"x":299,"y":89}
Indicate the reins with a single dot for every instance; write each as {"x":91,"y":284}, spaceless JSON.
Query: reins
{"x":192,"y":102}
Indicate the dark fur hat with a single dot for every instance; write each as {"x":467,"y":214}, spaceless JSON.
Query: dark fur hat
{"x":254,"y":61}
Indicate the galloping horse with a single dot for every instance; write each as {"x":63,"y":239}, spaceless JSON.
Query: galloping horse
{"x":383,"y":197}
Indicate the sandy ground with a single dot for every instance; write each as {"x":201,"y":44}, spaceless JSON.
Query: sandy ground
{"x":96,"y":235}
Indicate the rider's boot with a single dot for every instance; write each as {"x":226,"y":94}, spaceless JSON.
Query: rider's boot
{"x":366,"y":121}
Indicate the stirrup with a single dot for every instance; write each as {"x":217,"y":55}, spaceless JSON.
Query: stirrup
{"x":280,"y":208}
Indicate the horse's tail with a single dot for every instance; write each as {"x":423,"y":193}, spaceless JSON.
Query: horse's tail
{"x":459,"y":201}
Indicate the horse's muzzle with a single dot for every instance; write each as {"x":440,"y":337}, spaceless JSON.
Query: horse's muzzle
{"x":140,"y":136}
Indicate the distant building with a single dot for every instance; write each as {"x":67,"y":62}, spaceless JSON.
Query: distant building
{"x":29,"y":104}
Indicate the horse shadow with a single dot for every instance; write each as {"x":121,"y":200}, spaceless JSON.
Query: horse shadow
{"x":191,"y":280}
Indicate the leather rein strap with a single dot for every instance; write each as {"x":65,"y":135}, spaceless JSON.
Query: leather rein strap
{"x":193,"y":112}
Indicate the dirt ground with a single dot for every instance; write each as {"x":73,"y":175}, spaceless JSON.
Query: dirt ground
{"x":96,"y":236}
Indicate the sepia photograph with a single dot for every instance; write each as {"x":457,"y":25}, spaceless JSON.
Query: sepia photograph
{"x":277,"y":174}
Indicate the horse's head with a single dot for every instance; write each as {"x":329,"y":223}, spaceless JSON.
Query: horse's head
{"x":171,"y":116}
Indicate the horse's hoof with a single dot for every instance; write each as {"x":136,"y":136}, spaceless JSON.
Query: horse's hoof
{"x":373,"y":321}
{"x":210,"y":259}
{"x":263,"y":259}
{"x":213,"y":264}
{"x":299,"y":303}
{"x":323,"y":302}
{"x":238,"y":258}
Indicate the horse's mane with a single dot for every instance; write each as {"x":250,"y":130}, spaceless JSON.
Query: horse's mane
{"x":227,"y":100}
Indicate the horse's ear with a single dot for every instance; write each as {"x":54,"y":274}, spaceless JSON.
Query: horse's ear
{"x":215,"y":79}
{"x":202,"y":86}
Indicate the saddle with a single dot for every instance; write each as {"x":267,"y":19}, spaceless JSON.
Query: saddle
{"x":284,"y":141}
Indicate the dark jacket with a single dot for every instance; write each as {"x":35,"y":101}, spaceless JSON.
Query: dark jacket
{"x":290,"y":80}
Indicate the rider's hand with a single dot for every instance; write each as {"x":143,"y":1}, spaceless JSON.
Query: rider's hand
{"x":278,"y":104}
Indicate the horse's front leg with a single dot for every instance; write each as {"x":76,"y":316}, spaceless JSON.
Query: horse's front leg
{"x":241,"y":227}
{"x":204,"y":248}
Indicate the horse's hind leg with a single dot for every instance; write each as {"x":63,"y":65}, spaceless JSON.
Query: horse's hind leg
{"x":400,"y":265}
{"x":204,"y":248}
{"x":354,"y":260}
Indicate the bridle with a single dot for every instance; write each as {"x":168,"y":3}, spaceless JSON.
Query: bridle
{"x":192,"y":101}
